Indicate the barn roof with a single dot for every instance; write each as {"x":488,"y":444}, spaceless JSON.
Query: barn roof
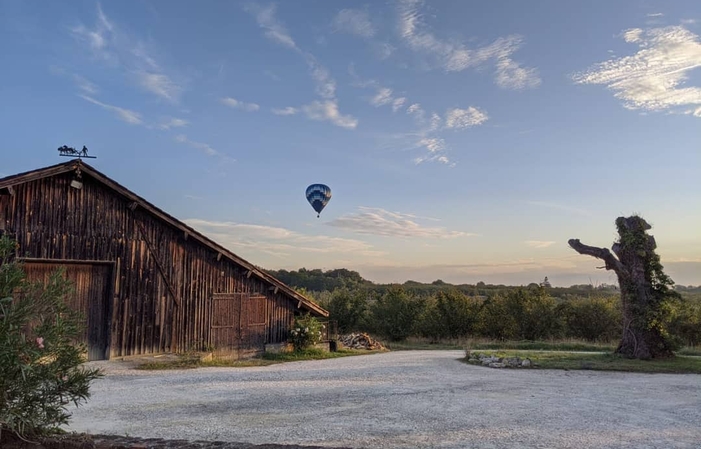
{"x":70,"y":166}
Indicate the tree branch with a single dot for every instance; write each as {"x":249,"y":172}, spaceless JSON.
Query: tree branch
{"x":600,"y":253}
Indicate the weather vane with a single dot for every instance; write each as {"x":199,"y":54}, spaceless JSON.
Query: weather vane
{"x":72,"y":152}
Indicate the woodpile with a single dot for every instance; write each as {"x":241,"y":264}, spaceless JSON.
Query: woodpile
{"x":360,"y":341}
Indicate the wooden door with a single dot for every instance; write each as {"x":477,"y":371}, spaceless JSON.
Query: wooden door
{"x":254,"y":320}
{"x":92,"y":283}
{"x":226,"y":322}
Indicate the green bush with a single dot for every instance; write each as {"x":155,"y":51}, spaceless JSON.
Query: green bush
{"x":449,"y":314}
{"x":348,"y":308}
{"x":39,"y":360}
{"x":306,"y":331}
{"x":395,"y":313}
{"x":593,"y":319}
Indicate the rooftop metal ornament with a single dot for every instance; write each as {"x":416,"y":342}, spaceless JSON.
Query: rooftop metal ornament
{"x":67,"y":151}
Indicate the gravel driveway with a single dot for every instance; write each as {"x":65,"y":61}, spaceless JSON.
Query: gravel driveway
{"x":407,"y":399}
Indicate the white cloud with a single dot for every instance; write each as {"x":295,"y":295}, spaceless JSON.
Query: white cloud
{"x":328,"y":111}
{"x":376,"y":221}
{"x":655,"y":14}
{"x":433,"y":144}
{"x":355,"y":22}
{"x":464,"y":118}
{"x":237,"y":104}
{"x":278,"y":241}
{"x":273,"y":29}
{"x":383,"y":97}
{"x":289,"y":110}
{"x":539,"y":243}
{"x":201,"y":146}
{"x":126,"y":115}
{"x":173,"y":123}
{"x":688,"y":21}
{"x":85,"y":85}
{"x":398,"y":103}
{"x":325,"y":84}
{"x":161,"y":85}
{"x":121,"y":50}
{"x":653,"y":78}
{"x":455,"y":56}
{"x":416,"y":111}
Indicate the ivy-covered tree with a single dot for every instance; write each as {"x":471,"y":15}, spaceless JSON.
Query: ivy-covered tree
{"x":646,"y":290}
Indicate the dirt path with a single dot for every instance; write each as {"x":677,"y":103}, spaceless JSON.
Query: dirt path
{"x":407,"y":399}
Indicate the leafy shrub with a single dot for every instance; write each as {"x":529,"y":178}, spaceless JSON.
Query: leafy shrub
{"x":348,"y":308}
{"x":395,"y":313}
{"x":39,"y":360}
{"x":593,"y":319}
{"x":306,"y":331}
{"x":449,"y":314}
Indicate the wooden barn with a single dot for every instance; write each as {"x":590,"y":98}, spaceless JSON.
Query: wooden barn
{"x":146,"y":282}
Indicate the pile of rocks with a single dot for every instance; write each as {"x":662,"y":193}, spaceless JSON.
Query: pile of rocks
{"x":360,"y":341}
{"x":499,"y":362}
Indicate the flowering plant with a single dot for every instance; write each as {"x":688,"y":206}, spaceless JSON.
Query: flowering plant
{"x":40,"y":372}
{"x":306,"y":331}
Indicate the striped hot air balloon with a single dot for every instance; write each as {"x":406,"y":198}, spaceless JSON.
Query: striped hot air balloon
{"x":318,"y":196}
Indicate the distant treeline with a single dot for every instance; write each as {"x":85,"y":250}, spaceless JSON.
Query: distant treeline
{"x":443,"y":311}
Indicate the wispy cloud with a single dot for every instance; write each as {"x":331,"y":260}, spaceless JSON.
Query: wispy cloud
{"x":237,"y":104}
{"x":277,"y":241}
{"x":560,"y":207}
{"x":126,"y":115}
{"x":383,"y":97}
{"x":119,"y":49}
{"x":354,"y":21}
{"x":160,"y":85}
{"x":376,"y":221}
{"x":285,"y":111}
{"x":173,"y":123}
{"x":457,"y":118}
{"x":655,"y":14}
{"x":328,"y":111}
{"x":325,"y":110}
{"x":454,"y":56}
{"x":203,"y":147}
{"x":274,"y":30}
{"x":539,"y":243}
{"x":688,"y":21}
{"x":82,"y":83}
{"x":653,"y":78}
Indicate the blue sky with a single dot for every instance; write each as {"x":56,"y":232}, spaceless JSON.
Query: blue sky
{"x":461,"y":141}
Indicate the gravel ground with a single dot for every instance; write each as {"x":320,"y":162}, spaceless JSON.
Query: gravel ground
{"x":407,"y":399}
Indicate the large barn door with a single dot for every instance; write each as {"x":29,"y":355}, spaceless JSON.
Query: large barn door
{"x":253,"y":321}
{"x":226,"y":322}
{"x":92,"y":283}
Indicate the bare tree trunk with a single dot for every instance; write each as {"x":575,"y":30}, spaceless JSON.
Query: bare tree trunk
{"x":643,"y":288}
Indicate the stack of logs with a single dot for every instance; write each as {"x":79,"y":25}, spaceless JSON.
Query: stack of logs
{"x":360,"y":341}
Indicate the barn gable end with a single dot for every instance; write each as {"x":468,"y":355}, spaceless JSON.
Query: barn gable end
{"x":157,"y":284}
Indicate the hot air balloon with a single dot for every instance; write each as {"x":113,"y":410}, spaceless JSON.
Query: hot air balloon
{"x":318,"y":196}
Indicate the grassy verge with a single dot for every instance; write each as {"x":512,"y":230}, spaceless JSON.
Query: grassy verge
{"x":603,"y":362}
{"x":189,"y":362}
{"x":314,"y":354}
{"x":690,"y":350}
{"x":554,"y":345}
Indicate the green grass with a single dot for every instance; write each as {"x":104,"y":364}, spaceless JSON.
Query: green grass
{"x":189,"y":362}
{"x":555,"y":345}
{"x":473,"y":343}
{"x":602,"y":362}
{"x":314,"y":354}
{"x":186,"y":362}
{"x":690,"y":350}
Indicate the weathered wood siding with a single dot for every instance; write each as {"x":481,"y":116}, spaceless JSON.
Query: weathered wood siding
{"x":156,"y":264}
